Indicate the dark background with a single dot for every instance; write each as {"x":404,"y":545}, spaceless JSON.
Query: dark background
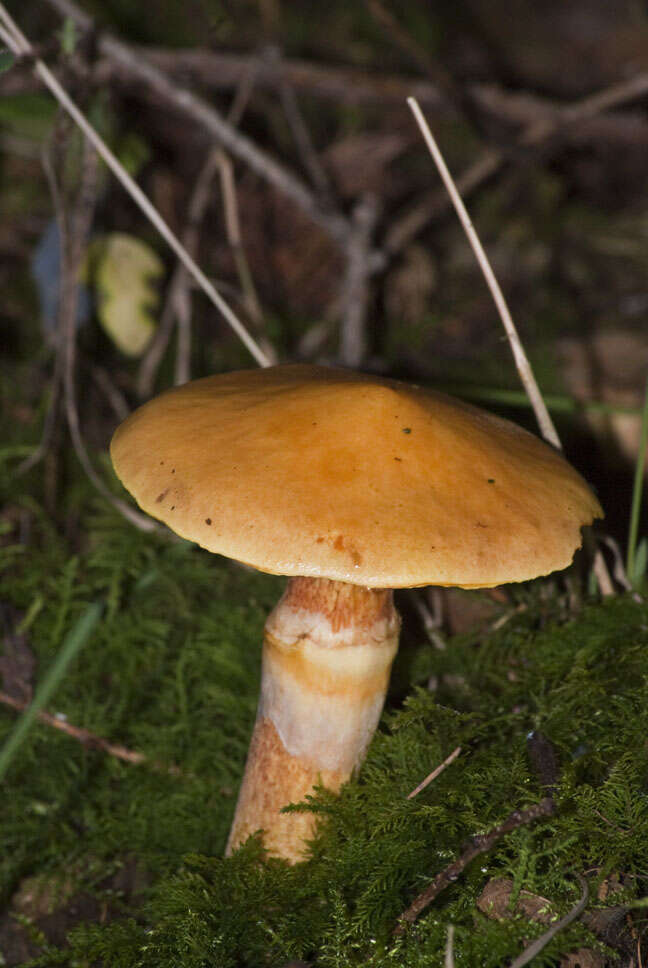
{"x":554,"y":175}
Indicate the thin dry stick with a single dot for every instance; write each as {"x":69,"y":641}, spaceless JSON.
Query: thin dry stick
{"x":78,"y":228}
{"x":521,"y":360}
{"x":91,"y":740}
{"x":545,"y":422}
{"x":435,"y":773}
{"x":157,"y":347}
{"x":19,"y":44}
{"x":354,"y":295}
{"x":449,"y":951}
{"x":113,"y":394}
{"x":182,"y":307}
{"x":536,"y":946}
{"x":478,"y":845}
{"x":72,"y":233}
{"x":300,"y":132}
{"x":235,"y":241}
{"x":177,"y":301}
{"x":179,"y":295}
{"x":223,"y":70}
{"x":50,"y":421}
{"x":218,"y":159}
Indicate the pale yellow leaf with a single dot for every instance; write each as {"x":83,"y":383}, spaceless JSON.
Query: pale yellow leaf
{"x":124,"y":271}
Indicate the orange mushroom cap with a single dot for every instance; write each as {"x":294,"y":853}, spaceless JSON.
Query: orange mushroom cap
{"x":306,"y":470}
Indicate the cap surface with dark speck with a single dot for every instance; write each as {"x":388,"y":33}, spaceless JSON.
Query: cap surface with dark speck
{"x":305,"y":470}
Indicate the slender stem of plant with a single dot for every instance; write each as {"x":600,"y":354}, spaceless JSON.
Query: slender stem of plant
{"x":545,"y":422}
{"x":449,"y":961}
{"x":435,"y":773}
{"x":75,"y":639}
{"x":637,"y":490}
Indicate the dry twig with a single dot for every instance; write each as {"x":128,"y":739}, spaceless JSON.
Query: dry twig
{"x":223,"y":70}
{"x":536,"y":946}
{"x":522,"y":363}
{"x":521,"y":360}
{"x":78,"y":223}
{"x":478,"y":845}
{"x":435,"y":773}
{"x":74,"y":228}
{"x":177,"y":301}
{"x":449,"y":950}
{"x":235,"y":240}
{"x":91,"y":740}
{"x":354,"y":297}
{"x":300,"y":132}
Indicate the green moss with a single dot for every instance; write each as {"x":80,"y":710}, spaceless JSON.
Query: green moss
{"x":173,"y":672}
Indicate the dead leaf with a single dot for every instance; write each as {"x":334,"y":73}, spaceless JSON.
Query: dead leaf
{"x":124,"y":270}
{"x":494,"y":902}
{"x":583,"y":958}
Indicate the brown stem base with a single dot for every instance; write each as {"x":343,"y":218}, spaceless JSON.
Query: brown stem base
{"x":327,"y":655}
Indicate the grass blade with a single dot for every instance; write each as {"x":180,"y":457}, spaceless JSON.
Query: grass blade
{"x":637,"y":491}
{"x":73,"y":642}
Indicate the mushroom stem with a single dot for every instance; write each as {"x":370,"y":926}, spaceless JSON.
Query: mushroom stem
{"x":327,"y":654}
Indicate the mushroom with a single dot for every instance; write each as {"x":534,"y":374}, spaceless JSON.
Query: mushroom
{"x":351,"y":486}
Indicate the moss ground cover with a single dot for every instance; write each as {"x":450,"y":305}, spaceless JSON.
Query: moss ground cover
{"x":172,"y":671}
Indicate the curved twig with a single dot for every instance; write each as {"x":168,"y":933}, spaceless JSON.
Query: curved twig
{"x":536,"y":946}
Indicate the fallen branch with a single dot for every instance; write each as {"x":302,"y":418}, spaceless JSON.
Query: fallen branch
{"x":536,"y":946}
{"x":476,"y":846}
{"x":223,"y":70}
{"x":88,"y":739}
